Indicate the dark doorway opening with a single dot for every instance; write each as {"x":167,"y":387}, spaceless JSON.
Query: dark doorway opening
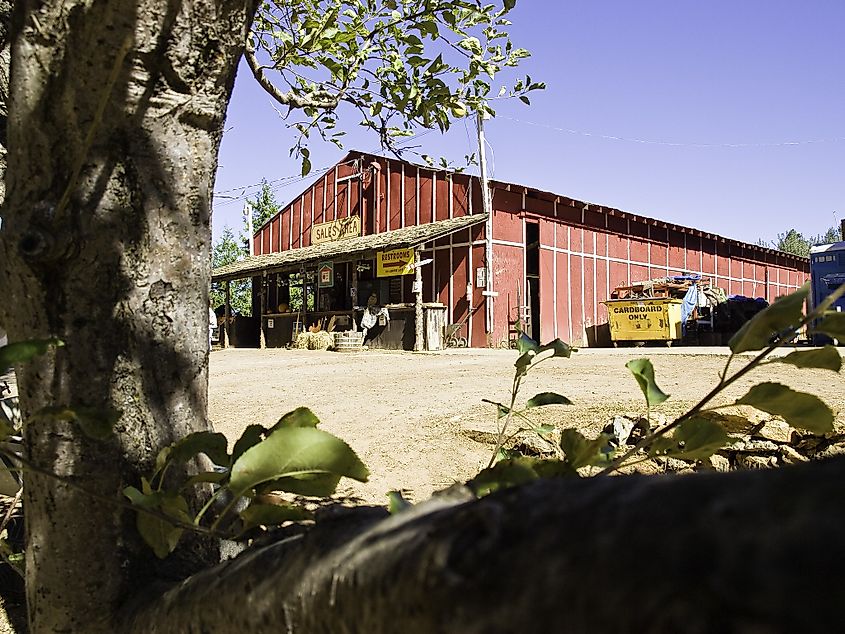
{"x":532,"y":281}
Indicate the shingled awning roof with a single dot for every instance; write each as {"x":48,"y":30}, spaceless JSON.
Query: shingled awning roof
{"x":294,"y":258}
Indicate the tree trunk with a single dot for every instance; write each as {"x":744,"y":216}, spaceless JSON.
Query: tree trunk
{"x":747,"y":552}
{"x":115,"y":119}
{"x":114,"y":123}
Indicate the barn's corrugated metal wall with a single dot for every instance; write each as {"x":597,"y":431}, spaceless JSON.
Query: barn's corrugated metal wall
{"x":585,"y":250}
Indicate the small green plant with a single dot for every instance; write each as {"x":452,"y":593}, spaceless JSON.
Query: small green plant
{"x":293,"y":456}
{"x":699,"y":432}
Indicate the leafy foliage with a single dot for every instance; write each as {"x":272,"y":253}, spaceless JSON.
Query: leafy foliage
{"x":264,"y":206}
{"x":694,"y":439}
{"x":226,"y":250}
{"x":515,"y":471}
{"x":531,"y":355}
{"x":698,"y":433}
{"x":401,"y":64}
{"x":23,"y":351}
{"x":770,"y":323}
{"x":292,"y":456}
{"x":832,"y":324}
{"x":581,"y":452}
{"x":825,"y":358}
{"x":799,"y":409}
{"x":643,"y":372}
{"x":794,"y":242}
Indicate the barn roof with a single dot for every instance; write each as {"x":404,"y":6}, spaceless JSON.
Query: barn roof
{"x":348,"y":248}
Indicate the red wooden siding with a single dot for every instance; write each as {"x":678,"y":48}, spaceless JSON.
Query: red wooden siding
{"x":585,"y":250}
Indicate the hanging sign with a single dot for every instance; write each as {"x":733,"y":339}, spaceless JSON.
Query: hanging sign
{"x":325,"y":274}
{"x":395,"y":262}
{"x":336,"y":230}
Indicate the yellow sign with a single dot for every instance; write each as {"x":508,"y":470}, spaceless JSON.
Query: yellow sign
{"x":644,"y":319}
{"x":395,"y":262}
{"x":336,"y":230}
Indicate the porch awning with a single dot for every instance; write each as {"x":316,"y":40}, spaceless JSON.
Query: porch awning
{"x":294,"y":258}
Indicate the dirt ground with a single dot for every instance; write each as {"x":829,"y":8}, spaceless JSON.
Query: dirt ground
{"x":418,"y":421}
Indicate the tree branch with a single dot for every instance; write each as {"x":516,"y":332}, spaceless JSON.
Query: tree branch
{"x":321,"y":99}
{"x":746,"y":551}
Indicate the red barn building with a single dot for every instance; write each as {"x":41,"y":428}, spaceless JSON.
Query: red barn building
{"x":553,"y":260}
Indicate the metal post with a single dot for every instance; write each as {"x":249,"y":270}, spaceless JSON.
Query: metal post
{"x":262,"y":341}
{"x":224,"y":335}
{"x":248,"y":218}
{"x":488,"y":225}
{"x":418,"y":307}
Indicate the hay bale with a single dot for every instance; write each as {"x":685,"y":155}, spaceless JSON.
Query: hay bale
{"x":302,"y":340}
{"x":320,"y":340}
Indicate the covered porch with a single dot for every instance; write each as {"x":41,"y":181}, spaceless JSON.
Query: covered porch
{"x":334,"y":285}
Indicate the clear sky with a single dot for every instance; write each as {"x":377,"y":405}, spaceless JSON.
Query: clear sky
{"x":725,"y":115}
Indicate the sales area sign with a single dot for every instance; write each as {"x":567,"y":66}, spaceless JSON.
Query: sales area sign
{"x":395,"y":262}
{"x":336,"y":230}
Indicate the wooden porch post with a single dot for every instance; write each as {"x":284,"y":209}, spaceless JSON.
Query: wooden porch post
{"x":262,"y":341}
{"x":418,"y":307}
{"x":224,"y":336}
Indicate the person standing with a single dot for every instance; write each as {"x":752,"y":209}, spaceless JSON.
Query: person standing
{"x":212,"y":323}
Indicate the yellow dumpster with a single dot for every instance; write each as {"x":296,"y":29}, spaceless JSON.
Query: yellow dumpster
{"x":657,"y":319}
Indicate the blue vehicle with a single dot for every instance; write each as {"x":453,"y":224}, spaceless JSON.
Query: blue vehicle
{"x":827,"y":273}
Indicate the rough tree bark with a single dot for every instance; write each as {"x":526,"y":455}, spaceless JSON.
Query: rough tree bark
{"x":114,"y":124}
{"x":752,"y":552}
{"x":116,"y":113}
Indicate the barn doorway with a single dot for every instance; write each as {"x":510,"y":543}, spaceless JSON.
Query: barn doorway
{"x":532,"y":280}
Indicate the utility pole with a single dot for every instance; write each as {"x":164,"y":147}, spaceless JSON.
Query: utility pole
{"x":488,"y":228}
{"x":248,"y":218}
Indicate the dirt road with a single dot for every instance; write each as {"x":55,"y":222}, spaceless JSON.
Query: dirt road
{"x":412,"y":417}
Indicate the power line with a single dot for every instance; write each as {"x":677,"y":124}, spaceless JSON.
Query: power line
{"x":611,"y":137}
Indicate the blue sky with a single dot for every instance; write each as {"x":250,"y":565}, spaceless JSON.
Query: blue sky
{"x":722,"y":115}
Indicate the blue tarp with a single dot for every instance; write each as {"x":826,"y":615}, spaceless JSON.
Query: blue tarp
{"x":690,"y":302}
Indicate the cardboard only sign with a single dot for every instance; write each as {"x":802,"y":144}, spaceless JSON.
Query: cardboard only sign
{"x":395,"y":262}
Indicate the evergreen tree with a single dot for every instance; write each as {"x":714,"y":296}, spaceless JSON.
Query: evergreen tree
{"x":228,"y":249}
{"x":264,"y":206}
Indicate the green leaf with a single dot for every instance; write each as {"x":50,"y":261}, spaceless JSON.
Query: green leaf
{"x":799,"y":409}
{"x":300,"y":417}
{"x":214,"y":477}
{"x":94,"y":422}
{"x":833,"y":325}
{"x":531,"y":351}
{"x":212,"y":444}
{"x":515,"y":471}
{"x":306,"y":166}
{"x":581,"y":452}
{"x":295,"y":452}
{"x":558,"y":348}
{"x":503,"y":475}
{"x":825,"y":358}
{"x":693,"y":439}
{"x":509,"y":4}
{"x":526,"y":344}
{"x":397,"y":503}
{"x":318,"y":485}
{"x":159,"y":534}
{"x":6,"y":429}
{"x":257,"y":514}
{"x":97,"y":423}
{"x":251,"y":436}
{"x":643,"y":372}
{"x":23,"y":351}
{"x":758,"y":332}
{"x":547,"y":398}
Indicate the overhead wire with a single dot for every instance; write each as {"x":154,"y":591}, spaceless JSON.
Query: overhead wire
{"x":612,"y":137}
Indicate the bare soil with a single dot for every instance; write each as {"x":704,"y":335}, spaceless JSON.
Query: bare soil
{"x":417,"y":420}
